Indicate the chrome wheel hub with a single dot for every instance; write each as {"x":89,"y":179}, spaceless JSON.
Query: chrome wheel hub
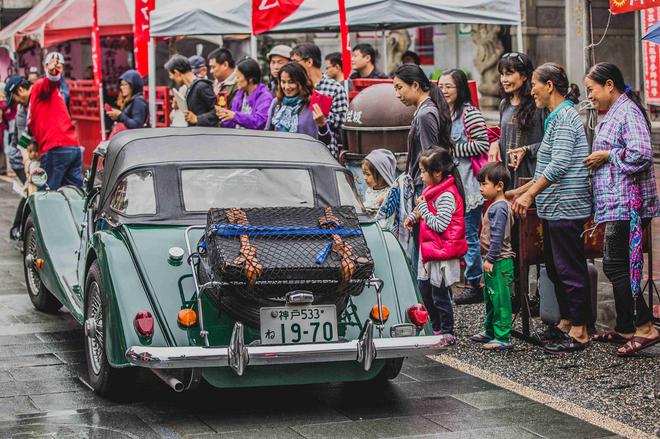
{"x":33,"y":280}
{"x":94,"y":328}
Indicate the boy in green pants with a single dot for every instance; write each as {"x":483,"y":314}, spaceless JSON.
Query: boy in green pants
{"x":497,"y":258}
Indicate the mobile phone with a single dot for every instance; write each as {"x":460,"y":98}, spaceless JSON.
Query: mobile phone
{"x":107,"y":107}
{"x":221,"y":99}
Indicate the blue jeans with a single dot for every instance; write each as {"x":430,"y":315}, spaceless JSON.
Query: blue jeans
{"x":473,"y":268}
{"x":63,"y":166}
{"x":437,"y":301}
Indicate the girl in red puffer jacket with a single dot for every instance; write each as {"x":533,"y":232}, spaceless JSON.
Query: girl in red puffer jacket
{"x":440,"y":212}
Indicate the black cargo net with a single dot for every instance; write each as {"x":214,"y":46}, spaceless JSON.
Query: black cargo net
{"x":257,"y":255}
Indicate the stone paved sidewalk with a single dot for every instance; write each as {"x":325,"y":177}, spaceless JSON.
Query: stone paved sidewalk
{"x":43,"y":392}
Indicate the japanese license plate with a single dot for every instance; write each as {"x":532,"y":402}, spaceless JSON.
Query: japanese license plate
{"x":298,"y":324}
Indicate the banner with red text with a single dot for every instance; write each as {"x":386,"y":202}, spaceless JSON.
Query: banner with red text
{"x":266,"y":14}
{"x":651,"y":58}
{"x":96,"y":47}
{"x":143,"y":10}
{"x":622,"y":6}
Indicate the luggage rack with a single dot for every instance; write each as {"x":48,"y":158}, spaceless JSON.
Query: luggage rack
{"x":199,"y":289}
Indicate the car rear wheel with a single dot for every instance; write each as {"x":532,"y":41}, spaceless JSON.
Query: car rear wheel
{"x":390,"y":371}
{"x":42,"y":299}
{"x":103,"y":378}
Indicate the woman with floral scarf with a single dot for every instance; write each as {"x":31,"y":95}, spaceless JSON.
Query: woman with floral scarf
{"x":290,"y":110}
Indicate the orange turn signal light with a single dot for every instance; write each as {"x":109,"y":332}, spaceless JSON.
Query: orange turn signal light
{"x":375,"y":315}
{"x":38,"y":263}
{"x":187,"y":317}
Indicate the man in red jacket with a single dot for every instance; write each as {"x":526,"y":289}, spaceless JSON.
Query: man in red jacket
{"x":50,"y":124}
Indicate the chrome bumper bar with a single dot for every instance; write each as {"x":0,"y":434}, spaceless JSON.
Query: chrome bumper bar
{"x":238,"y":356}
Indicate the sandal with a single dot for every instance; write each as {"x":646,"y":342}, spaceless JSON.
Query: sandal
{"x":636,"y":344}
{"x":610,"y":337}
{"x":481,"y":338}
{"x":497,"y":345}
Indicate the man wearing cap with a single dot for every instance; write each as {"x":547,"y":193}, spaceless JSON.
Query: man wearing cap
{"x":198,"y":64}
{"x":277,"y":57}
{"x":49,"y":123}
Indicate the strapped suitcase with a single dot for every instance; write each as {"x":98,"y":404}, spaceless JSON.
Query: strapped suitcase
{"x":255,"y":256}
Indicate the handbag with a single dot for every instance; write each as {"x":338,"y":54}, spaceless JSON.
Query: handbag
{"x":479,"y":161}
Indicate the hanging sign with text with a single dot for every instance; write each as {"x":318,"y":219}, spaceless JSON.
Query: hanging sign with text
{"x":651,"y":58}
{"x":623,"y":6}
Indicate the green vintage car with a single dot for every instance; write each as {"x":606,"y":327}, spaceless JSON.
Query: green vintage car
{"x":124,"y":256}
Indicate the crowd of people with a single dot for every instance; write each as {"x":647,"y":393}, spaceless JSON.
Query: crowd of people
{"x":455,"y":207}
{"x":456,"y":170}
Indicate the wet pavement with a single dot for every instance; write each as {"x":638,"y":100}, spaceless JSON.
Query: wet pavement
{"x":43,"y":392}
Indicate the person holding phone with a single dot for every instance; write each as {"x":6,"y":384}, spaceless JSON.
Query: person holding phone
{"x":200,"y":97}
{"x":133,"y":109}
{"x":49,"y":123}
{"x":290,"y":109}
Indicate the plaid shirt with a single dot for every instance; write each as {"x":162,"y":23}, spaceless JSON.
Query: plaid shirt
{"x":332,"y":88}
{"x":623,"y":132}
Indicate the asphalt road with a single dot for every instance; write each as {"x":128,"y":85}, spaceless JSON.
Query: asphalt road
{"x":43,"y":392}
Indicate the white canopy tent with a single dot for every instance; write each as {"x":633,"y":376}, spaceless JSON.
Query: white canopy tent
{"x":53,"y":21}
{"x":213,"y":17}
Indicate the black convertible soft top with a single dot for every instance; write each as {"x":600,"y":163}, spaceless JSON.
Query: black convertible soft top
{"x":169,"y":149}
{"x":134,"y":148}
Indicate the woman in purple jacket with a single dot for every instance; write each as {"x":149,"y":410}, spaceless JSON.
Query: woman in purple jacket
{"x":249,"y":107}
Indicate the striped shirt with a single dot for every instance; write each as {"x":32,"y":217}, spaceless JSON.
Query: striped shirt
{"x":474,"y":125}
{"x":623,"y":132}
{"x":559,"y":160}
{"x":445,"y":206}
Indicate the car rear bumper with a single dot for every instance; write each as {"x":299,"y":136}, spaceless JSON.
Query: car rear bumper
{"x":238,"y":356}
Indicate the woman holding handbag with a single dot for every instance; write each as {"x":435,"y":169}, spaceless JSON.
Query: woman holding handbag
{"x":470,"y":149}
{"x":521,"y":121}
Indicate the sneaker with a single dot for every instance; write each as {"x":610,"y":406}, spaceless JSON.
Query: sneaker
{"x":565,"y":345}
{"x":447,"y":340}
{"x":551,"y":334}
{"x":470,"y":294}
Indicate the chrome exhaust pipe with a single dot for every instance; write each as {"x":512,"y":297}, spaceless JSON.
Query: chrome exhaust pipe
{"x":174,"y":383}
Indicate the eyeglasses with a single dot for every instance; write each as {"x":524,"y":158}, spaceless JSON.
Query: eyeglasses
{"x":515,"y":55}
{"x":446,"y":86}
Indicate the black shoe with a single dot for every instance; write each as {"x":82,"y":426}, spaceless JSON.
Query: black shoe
{"x":470,"y":294}
{"x":565,"y":345}
{"x":551,"y":335}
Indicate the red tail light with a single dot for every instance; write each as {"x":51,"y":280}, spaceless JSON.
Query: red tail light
{"x":144,"y":323}
{"x":418,"y":315}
